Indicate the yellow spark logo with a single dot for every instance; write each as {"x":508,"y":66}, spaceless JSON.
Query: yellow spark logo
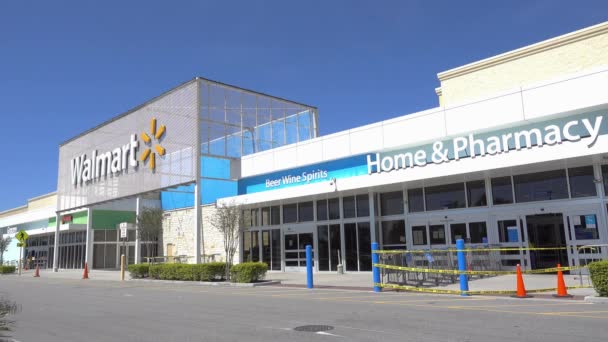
{"x":149,"y":153}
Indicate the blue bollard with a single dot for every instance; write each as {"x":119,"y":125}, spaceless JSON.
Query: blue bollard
{"x":462,"y":267}
{"x":375,"y":270}
{"x":309,"y":283}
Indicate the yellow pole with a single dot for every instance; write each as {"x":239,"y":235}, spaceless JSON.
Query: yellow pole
{"x":122,"y":267}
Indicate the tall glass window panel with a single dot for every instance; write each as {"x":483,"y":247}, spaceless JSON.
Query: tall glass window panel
{"x":507,"y":231}
{"x":334,"y":208}
{"x":275,"y":215}
{"x":255,"y":246}
{"x":290,"y":213}
{"x":246,"y":246}
{"x":459,"y":231}
{"x":448,"y":196}
{"x":585,"y":227}
{"x":321,"y":210}
{"x":350,"y":245}
{"x":541,"y":186}
{"x":323,"y":246}
{"x":253,"y":218}
{"x":393,"y":232}
{"x":391,"y":203}
{"x":437,"y":234}
{"x":582,"y":182}
{"x":266,"y":253}
{"x":476,"y":193}
{"x":502,"y":192}
{"x":605,"y":178}
{"x":305,"y":212}
{"x":276,"y":249}
{"x":335,"y":246}
{"x":365,"y":246}
{"x":415,"y":200}
{"x":362,"y":205}
{"x":348,"y":206}
{"x":291,"y":129}
{"x":419,"y":235}
{"x":265,"y":216}
{"x":478,"y":232}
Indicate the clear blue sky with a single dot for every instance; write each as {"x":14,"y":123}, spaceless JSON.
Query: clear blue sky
{"x":66,"y":66}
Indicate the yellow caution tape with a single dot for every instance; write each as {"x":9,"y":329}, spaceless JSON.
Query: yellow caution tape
{"x":481,"y":292}
{"x":468,"y":250}
{"x":471,"y":272}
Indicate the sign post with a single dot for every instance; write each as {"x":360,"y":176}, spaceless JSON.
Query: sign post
{"x":123,"y":235}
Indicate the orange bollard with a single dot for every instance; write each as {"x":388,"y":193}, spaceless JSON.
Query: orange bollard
{"x":85,"y":274}
{"x":37,"y":272}
{"x":562,"y":291}
{"x":521,"y":288}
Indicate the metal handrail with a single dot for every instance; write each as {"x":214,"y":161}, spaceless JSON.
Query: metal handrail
{"x":592,"y":247}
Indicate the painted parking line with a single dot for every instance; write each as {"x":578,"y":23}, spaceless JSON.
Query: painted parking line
{"x":518,"y":305}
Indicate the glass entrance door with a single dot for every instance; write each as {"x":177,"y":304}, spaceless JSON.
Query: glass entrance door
{"x":295,"y":250}
{"x":271,"y":249}
{"x":329,"y":244}
{"x":546,"y":230}
{"x":583,"y":230}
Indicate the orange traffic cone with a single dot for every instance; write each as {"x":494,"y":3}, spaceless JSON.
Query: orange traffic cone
{"x":85,"y":274}
{"x":521,"y":288}
{"x":37,"y":272}
{"x":562,"y":291}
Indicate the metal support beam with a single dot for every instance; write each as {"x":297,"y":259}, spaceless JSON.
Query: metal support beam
{"x":89,"y":239}
{"x":137,"y":240}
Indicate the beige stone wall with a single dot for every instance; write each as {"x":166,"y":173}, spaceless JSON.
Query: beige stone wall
{"x":178,"y":229}
{"x":43,"y":202}
{"x":558,"y":57}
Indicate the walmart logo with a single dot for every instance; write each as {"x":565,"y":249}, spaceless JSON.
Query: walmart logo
{"x":149,"y":153}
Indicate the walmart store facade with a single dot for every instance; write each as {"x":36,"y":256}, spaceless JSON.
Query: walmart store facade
{"x":515,"y":155}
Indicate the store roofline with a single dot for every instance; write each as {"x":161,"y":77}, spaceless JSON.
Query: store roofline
{"x":130,"y":111}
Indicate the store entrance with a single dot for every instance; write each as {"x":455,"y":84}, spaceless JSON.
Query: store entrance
{"x":547,"y":231}
{"x":295,"y":250}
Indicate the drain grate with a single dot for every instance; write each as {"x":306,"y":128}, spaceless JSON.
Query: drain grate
{"x":314,"y":328}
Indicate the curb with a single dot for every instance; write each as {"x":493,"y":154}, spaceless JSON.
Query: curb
{"x":596,"y":299}
{"x":209,"y":283}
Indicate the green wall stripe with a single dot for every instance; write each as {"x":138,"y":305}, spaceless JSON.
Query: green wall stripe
{"x":109,"y":219}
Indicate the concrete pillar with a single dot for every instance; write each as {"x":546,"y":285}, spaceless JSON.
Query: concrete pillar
{"x":372,"y":216}
{"x":197,"y":223}
{"x":89,"y":239}
{"x":137,"y":241}
{"x":56,"y":247}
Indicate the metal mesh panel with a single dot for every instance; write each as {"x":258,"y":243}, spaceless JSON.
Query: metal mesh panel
{"x":177,"y":111}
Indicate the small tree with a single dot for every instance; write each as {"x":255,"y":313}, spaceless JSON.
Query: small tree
{"x":5,"y":242}
{"x":228,"y":220}
{"x":150,"y":226}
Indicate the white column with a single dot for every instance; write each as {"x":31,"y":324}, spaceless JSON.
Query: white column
{"x":137,"y":241}
{"x":197,"y":222}
{"x":89,"y":239}
{"x":56,"y":247}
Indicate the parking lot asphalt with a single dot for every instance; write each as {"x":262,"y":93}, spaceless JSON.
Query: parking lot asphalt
{"x":95,"y":310}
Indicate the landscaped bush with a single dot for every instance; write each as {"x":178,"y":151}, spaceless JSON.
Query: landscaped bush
{"x":599,"y":277}
{"x":7,"y":269}
{"x":248,"y":272}
{"x":189,"y":272}
{"x":139,"y":270}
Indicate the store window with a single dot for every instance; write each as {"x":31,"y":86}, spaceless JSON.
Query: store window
{"x":605,"y":178}
{"x":448,"y":196}
{"x":478,"y":232}
{"x":362,"y":205}
{"x":391,"y":203}
{"x":502,"y":191}
{"x":459,"y":231}
{"x":266,"y":216}
{"x":415,"y":200}
{"x":393,"y":232}
{"x":541,"y":186}
{"x":582,"y":182}
{"x":476,"y":193}
{"x":348,"y":207}
{"x":290,"y":213}
{"x":334,"y":208}
{"x":275,"y":215}
{"x":305,"y":212}
{"x":507,"y":231}
{"x":585,"y":227}
{"x":419,"y":235}
{"x":437,"y":233}
{"x":321,"y":210}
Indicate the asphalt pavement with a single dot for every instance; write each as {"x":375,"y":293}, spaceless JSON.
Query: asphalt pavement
{"x":59,"y":309}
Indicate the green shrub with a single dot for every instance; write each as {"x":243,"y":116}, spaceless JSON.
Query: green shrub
{"x":139,"y":270}
{"x":248,"y":272}
{"x":188,"y":272}
{"x":599,"y":277}
{"x":7,"y":269}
